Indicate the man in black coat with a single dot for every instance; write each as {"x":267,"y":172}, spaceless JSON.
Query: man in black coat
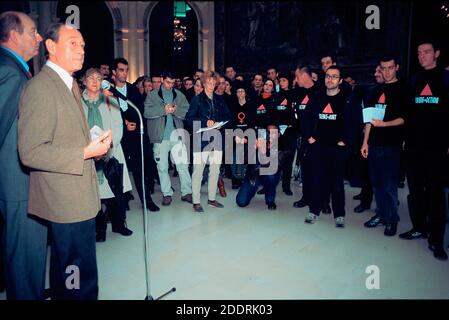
{"x":131,"y":133}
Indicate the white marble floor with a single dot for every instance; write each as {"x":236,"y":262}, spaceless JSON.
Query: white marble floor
{"x":253,"y":253}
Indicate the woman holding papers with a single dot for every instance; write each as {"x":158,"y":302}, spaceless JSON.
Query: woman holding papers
{"x":102,"y":115}
{"x":207,"y":109}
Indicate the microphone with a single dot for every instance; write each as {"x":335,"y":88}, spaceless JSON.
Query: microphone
{"x":106,"y":85}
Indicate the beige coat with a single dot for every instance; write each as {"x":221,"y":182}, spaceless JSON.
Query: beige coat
{"x":112,"y":119}
{"x":52,"y":133}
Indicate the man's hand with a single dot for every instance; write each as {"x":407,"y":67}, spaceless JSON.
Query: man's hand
{"x":364,"y":150}
{"x":98,"y":147}
{"x":341,"y":143}
{"x":311,"y":140}
{"x":131,"y":126}
{"x":170,"y":108}
{"x":378,"y":123}
{"x":210,"y":123}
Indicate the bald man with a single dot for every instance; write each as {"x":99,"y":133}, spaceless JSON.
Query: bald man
{"x":25,"y":236}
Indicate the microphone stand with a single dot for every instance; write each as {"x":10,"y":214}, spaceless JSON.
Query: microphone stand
{"x":145,"y":225}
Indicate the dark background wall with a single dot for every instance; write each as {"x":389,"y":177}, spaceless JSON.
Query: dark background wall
{"x":255,"y":35}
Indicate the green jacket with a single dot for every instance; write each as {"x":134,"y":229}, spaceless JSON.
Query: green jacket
{"x":155,"y":113}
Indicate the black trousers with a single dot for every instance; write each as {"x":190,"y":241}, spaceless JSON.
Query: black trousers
{"x":73,"y":264}
{"x":290,"y":141}
{"x":426,"y":170}
{"x":135,"y":163}
{"x":326,"y":169}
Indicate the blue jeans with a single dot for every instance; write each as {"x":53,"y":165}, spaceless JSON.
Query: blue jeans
{"x":384,"y":174}
{"x":250,"y":187}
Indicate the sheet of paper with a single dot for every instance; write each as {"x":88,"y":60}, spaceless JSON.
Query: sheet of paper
{"x":95,"y":132}
{"x":216,"y":125}
{"x":373,"y":113}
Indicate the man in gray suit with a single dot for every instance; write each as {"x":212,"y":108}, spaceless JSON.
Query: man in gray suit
{"x":24,"y":242}
{"x":55,"y":142}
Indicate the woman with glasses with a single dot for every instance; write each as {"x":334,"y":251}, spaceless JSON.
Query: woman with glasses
{"x":103,"y":114}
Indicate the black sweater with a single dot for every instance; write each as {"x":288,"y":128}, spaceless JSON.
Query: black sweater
{"x":427,"y":118}
{"x":393,"y":98}
{"x":325,"y":119}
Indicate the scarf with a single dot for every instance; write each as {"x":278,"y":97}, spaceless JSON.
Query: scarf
{"x":94,"y":119}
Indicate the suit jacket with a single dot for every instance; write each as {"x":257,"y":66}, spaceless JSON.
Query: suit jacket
{"x":14,"y":177}
{"x":52,"y":135}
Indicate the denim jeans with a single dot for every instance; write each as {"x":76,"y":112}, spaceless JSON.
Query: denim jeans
{"x":250,"y":187}
{"x":384,"y":174}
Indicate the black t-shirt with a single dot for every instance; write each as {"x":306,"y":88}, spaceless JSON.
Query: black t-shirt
{"x":260,"y":108}
{"x":282,"y":112}
{"x":393,"y":98}
{"x":242,"y":116}
{"x":330,"y":125}
{"x":300,"y":101}
{"x":427,"y":118}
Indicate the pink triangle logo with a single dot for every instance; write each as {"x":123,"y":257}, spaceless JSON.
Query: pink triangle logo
{"x":328,"y":109}
{"x":305,"y":100}
{"x":261,"y":107}
{"x":284,"y":103}
{"x":382,"y":99}
{"x":426,"y":91}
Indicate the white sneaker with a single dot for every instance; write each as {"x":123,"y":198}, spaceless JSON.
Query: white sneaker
{"x":311,"y":218}
{"x":340,"y":222}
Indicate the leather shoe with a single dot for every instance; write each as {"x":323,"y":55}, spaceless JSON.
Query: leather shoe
{"x":261,"y":191}
{"x":360,"y":208}
{"x":166,"y":201}
{"x":374,"y":222}
{"x":124,"y":231}
{"x":390,"y":229}
{"x":438,"y":252}
{"x":326,"y":209}
{"x":152,"y":206}
{"x":187,"y":198}
{"x":214,"y":203}
{"x":198,"y":208}
{"x":288,"y":192}
{"x":100,"y":237}
{"x":221,"y":188}
{"x":300,"y":203}
{"x":413,"y":234}
{"x":271,"y":206}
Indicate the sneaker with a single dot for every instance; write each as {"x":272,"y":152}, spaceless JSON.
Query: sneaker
{"x":413,"y":234}
{"x":360,"y":208}
{"x":271,"y":206}
{"x":187,"y":198}
{"x":311,"y":218}
{"x":214,"y":203}
{"x":340,"y":222}
{"x":374,"y":222}
{"x":166,"y":201}
{"x":300,"y":203}
{"x":438,"y":252}
{"x":198,"y":208}
{"x":390,"y":229}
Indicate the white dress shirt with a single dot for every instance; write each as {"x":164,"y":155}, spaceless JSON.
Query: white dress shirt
{"x":65,"y":76}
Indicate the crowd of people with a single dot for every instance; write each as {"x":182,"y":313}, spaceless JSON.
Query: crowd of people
{"x":67,"y":148}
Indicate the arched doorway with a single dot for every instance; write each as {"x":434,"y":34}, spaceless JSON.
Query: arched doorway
{"x":97,"y":28}
{"x":173,"y":38}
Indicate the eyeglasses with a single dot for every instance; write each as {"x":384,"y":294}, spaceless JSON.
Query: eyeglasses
{"x":333,"y":76}
{"x":92,"y":78}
